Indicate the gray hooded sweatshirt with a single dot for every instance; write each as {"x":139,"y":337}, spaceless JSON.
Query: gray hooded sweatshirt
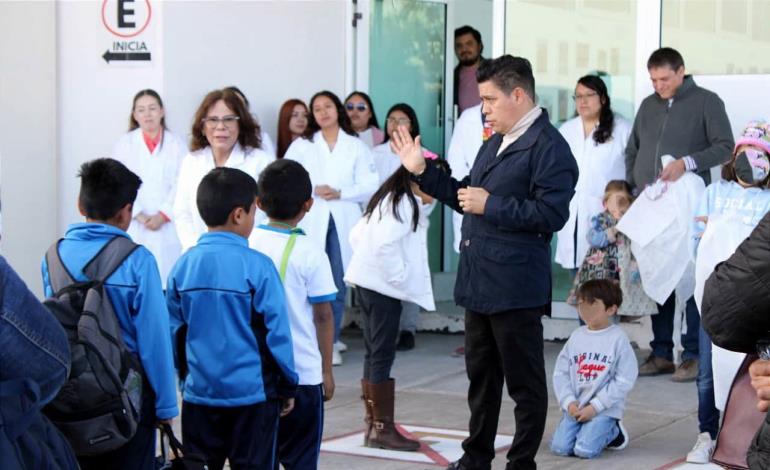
{"x":693,"y":123}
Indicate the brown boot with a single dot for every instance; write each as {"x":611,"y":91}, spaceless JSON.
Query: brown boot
{"x":367,"y":409}
{"x":384,"y":433}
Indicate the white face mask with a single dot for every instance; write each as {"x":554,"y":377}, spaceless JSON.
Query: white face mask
{"x":752,"y":166}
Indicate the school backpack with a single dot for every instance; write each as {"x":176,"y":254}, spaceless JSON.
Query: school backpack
{"x":97,"y":408}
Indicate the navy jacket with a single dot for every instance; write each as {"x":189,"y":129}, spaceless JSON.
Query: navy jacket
{"x":505,"y":254}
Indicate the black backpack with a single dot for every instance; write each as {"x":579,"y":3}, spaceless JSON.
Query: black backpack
{"x":98,"y":407}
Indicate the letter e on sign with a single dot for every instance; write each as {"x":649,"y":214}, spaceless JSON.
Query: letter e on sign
{"x":126,"y":18}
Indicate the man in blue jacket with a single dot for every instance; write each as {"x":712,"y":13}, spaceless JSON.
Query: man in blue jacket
{"x":516,"y":196}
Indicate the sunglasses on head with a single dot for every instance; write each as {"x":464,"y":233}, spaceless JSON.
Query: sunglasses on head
{"x":360,"y":107}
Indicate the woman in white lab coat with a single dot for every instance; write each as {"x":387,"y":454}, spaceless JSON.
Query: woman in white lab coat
{"x":154,"y":154}
{"x":223,"y":134}
{"x":343,"y":175}
{"x":363,"y":119}
{"x":597,"y":138}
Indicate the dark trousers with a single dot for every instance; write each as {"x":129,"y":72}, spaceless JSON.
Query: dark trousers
{"x":505,"y":347}
{"x":244,"y":435}
{"x":662,"y":343}
{"x":300,"y":432}
{"x":381,"y":316}
{"x":139,"y":452}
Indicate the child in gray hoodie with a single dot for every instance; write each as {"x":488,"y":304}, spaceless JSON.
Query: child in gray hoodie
{"x":594,"y":373}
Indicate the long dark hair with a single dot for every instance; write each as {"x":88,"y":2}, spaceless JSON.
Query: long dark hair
{"x":603,"y":131}
{"x":406,"y":109}
{"x":342,"y":116}
{"x":132,"y":124}
{"x":284,"y":133}
{"x":373,"y":118}
{"x":399,"y":186}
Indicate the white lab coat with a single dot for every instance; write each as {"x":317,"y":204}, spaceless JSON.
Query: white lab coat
{"x":721,"y":238}
{"x":389,"y":257}
{"x":598,"y":164}
{"x":660,"y":231}
{"x":348,"y":168}
{"x":385,"y":161}
{"x":372,"y":137}
{"x":159,"y":171}
{"x":467,"y":137}
{"x":195,"y":166}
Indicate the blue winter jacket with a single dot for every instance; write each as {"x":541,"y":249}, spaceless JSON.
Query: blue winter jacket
{"x":228,"y":301}
{"x":505,"y":254}
{"x":137,"y":297}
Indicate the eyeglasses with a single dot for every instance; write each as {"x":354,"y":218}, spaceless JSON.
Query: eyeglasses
{"x":399,"y":121}
{"x":361,"y":107}
{"x":584,"y":97}
{"x":228,"y":121}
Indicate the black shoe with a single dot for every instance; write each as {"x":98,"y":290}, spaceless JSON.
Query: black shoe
{"x":405,"y":341}
{"x":621,"y":441}
{"x":458,"y":465}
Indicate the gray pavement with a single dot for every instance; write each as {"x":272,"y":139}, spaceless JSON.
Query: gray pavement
{"x":661,"y":415}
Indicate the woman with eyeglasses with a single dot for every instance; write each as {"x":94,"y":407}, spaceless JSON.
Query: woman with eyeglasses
{"x":223,"y":134}
{"x":361,"y":112}
{"x":155,"y":154}
{"x":292,"y":123}
{"x":343,"y":175}
{"x":597,"y":138}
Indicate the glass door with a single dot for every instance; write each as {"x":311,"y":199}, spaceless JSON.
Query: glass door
{"x":407,"y":60}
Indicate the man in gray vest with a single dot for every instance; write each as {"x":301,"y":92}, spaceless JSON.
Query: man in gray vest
{"x":689,"y":123}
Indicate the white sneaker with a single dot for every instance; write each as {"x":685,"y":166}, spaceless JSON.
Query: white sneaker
{"x":340,"y":346}
{"x":701,"y":451}
{"x":621,"y":441}
{"x":336,"y":357}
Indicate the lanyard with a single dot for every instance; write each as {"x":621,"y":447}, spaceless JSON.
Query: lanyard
{"x":293,"y":232}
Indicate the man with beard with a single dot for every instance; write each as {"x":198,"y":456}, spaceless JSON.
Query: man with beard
{"x":468,"y":48}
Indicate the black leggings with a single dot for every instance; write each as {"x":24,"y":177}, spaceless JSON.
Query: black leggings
{"x":381,"y":315}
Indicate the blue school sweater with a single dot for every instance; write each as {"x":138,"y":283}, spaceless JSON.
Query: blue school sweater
{"x":217,"y":289}
{"x":137,"y":298}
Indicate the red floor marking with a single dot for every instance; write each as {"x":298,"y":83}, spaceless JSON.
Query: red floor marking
{"x":425,"y":449}
{"x":673,"y":464}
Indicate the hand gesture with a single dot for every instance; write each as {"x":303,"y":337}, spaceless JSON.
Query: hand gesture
{"x":328,"y":385}
{"x":287,"y":406}
{"x":154,"y":222}
{"x":472,"y":200}
{"x":586,"y":414}
{"x":408,"y":150}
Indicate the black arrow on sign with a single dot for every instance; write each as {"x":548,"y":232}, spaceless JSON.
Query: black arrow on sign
{"x":108,"y":56}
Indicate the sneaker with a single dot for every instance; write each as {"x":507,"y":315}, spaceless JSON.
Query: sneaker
{"x":620,"y":442}
{"x":701,"y":451}
{"x":655,"y":366}
{"x":336,"y":357}
{"x":340,"y":346}
{"x":686,"y":372}
{"x":405,"y":341}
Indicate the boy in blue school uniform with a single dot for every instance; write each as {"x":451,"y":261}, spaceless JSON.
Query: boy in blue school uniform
{"x":229,"y":323}
{"x":107,"y":193}
{"x":286,"y":195}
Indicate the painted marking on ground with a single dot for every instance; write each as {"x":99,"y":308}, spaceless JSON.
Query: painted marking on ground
{"x":438,"y":446}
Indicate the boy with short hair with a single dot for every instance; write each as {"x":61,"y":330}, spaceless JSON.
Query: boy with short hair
{"x":107,"y":193}
{"x":594,"y":373}
{"x":232,"y":336}
{"x":285,"y":195}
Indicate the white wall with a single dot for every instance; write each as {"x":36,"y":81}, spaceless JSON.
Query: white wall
{"x":28,"y":134}
{"x":273,"y":51}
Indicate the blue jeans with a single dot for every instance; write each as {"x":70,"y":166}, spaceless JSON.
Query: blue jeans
{"x":334,"y":253}
{"x":662,"y":343}
{"x":33,"y":344}
{"x":585,"y":440}
{"x":708,"y":414}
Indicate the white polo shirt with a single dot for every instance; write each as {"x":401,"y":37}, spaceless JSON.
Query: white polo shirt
{"x":308,"y":281}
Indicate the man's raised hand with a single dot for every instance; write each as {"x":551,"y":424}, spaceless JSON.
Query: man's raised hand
{"x":408,"y":150}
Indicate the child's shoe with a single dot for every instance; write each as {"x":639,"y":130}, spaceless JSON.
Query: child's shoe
{"x":701,"y":451}
{"x":620,"y":442}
